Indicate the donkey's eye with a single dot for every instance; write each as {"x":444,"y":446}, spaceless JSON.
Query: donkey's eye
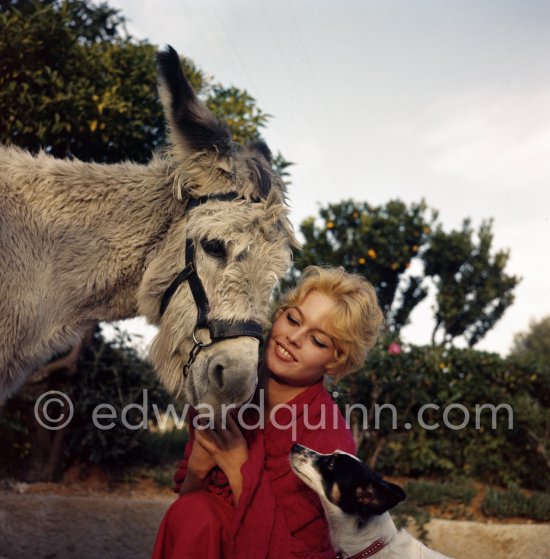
{"x":214,"y":248}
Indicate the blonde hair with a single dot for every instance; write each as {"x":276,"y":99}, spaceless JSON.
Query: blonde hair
{"x":353,"y":322}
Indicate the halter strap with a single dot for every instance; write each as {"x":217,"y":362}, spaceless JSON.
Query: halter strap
{"x":218,"y":329}
{"x":226,"y":197}
{"x":178,"y":280}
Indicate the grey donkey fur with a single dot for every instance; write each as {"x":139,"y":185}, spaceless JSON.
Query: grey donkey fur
{"x":82,"y":242}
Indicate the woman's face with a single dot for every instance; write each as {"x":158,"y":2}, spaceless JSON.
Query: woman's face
{"x":299,"y":348}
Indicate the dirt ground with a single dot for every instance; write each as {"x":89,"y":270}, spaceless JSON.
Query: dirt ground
{"x":42,"y":524}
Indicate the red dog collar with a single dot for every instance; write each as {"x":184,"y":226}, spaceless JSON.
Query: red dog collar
{"x":369,"y":552}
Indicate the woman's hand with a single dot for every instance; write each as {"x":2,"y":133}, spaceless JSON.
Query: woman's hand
{"x":200,"y":461}
{"x":229,"y":450}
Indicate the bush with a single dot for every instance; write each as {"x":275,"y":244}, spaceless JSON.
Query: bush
{"x":163,"y":447}
{"x":505,"y":504}
{"x":425,"y":493}
{"x":449,"y":495}
{"x":112,"y":373}
{"x":163,"y":478}
{"x":457,"y":380}
{"x":15,"y":443}
{"x":107,"y":372}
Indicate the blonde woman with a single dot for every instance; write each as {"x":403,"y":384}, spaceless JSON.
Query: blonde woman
{"x":239,"y":498}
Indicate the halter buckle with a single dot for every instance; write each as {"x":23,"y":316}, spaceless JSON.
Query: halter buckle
{"x":198,"y":342}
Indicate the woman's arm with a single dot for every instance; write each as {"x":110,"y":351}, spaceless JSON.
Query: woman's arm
{"x":228,"y":449}
{"x":198,"y":467}
{"x":193,"y":470}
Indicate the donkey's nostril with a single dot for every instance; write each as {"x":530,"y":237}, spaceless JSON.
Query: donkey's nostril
{"x":218,"y":375}
{"x":217,"y":368}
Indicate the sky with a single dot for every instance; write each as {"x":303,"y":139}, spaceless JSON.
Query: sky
{"x":442,"y":100}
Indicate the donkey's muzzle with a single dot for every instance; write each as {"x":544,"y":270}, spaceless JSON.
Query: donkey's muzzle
{"x":223,"y":330}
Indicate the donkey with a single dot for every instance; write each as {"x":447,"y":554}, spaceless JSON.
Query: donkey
{"x":194,"y":241}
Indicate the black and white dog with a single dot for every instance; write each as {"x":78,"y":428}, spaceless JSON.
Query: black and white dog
{"x":356,"y":501}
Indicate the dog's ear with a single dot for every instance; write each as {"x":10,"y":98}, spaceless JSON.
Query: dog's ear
{"x":378,"y":496}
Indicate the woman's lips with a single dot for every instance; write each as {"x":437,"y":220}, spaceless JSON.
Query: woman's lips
{"x":283,"y":353}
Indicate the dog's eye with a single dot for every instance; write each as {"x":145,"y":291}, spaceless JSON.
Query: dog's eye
{"x":214,"y":247}
{"x":330,"y":464}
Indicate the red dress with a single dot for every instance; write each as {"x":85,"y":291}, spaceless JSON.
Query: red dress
{"x":278,"y":516}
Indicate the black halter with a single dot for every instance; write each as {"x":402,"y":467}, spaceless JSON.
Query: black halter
{"x":219,"y":329}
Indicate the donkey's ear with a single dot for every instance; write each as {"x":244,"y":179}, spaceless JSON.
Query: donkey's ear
{"x":378,"y":496}
{"x":191,"y":124}
{"x":261,"y":147}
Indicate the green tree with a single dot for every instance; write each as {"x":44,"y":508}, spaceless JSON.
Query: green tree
{"x":382,"y":242}
{"x":238,"y":108}
{"x":535,"y":343}
{"x":473,"y":290}
{"x":73,"y":83}
{"x":379,"y":242}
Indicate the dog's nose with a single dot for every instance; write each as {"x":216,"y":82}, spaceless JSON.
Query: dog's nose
{"x":297,"y":448}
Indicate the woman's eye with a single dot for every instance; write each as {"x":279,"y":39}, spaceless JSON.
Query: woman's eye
{"x":318,"y":342}
{"x":214,"y":248}
{"x":291,"y":319}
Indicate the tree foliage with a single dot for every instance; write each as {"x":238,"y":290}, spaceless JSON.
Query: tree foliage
{"x":73,"y":82}
{"x":402,"y":250}
{"x":473,"y":290}
{"x":379,"y":242}
{"x":535,"y":343}
{"x":112,"y":373}
{"x":108,"y":377}
{"x":531,"y":352}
